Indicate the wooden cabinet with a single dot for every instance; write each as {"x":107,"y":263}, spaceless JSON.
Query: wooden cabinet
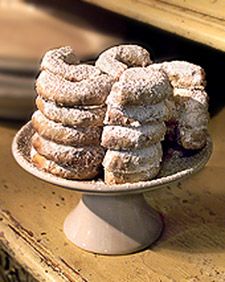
{"x":202,"y":21}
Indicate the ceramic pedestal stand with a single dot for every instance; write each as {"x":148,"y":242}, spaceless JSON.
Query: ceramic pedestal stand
{"x":113,"y":224}
{"x":113,"y":219}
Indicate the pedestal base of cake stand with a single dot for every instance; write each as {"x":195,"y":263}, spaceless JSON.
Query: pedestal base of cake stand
{"x":113,"y":225}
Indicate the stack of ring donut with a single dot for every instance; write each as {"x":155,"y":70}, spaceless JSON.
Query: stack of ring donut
{"x":69,"y":120}
{"x":188,"y":124}
{"x":115,"y":113}
{"x":134,"y":125}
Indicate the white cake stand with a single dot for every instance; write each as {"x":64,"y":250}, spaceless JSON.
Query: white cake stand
{"x":113,"y":219}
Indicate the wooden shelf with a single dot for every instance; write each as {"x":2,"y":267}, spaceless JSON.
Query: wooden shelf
{"x":202,"y":21}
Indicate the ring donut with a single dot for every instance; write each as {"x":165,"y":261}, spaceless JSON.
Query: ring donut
{"x":133,"y":161}
{"x":80,"y":116}
{"x":123,"y":137}
{"x":63,"y":62}
{"x":136,"y":116}
{"x":87,"y":156}
{"x":140,"y":86}
{"x":87,"y":92}
{"x":74,"y":136}
{"x":68,"y":172}
{"x":183,"y":74}
{"x":117,"y":59}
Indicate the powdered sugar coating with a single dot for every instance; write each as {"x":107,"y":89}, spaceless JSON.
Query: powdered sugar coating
{"x":136,"y":73}
{"x":76,"y":116}
{"x":123,"y":137}
{"x":63,"y":62}
{"x":68,"y":172}
{"x":86,"y":156}
{"x":183,"y":74}
{"x":136,"y":115}
{"x":140,"y":86}
{"x":74,"y":136}
{"x":91,"y":91}
{"x":195,"y":95}
{"x":117,"y":59}
{"x":133,"y":161}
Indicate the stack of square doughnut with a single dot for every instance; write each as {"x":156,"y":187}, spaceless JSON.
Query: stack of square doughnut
{"x":134,"y":122}
{"x":69,"y":119}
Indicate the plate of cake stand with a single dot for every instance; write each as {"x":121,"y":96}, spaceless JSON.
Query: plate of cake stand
{"x":114,"y":219}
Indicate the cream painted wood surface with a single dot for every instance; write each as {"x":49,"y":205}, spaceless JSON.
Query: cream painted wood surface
{"x":202,"y":21}
{"x":192,"y":247}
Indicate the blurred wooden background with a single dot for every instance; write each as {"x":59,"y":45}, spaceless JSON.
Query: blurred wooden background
{"x":32,"y":212}
{"x":29,"y":28}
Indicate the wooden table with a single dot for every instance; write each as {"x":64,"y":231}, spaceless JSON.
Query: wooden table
{"x":192,"y":247}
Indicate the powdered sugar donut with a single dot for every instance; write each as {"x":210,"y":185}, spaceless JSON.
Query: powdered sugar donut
{"x":136,"y":116}
{"x":67,"y":155}
{"x":123,"y":137}
{"x":117,"y":59}
{"x":133,"y":161}
{"x":140,"y":86}
{"x":66,"y":82}
{"x":76,"y":116}
{"x":63,"y":62}
{"x":183,"y":74}
{"x":68,"y":172}
{"x":91,"y":91}
{"x":74,"y":136}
